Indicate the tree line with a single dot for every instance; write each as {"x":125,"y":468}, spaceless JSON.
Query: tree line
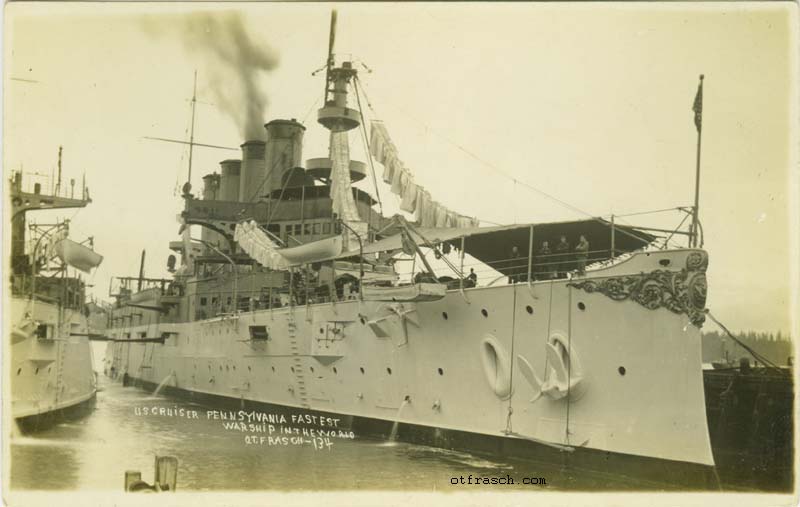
{"x":717,"y":346}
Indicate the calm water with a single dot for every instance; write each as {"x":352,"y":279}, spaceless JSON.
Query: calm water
{"x":93,"y":453}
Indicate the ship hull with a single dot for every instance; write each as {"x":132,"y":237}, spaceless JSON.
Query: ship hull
{"x":557,"y":369}
{"x":51,"y":373}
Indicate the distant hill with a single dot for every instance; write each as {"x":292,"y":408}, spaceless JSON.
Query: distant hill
{"x":775,"y":347}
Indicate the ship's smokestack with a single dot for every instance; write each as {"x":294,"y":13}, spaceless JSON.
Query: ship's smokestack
{"x":229,"y":180}
{"x":284,"y":152}
{"x":211,"y":187}
{"x":251,"y":182}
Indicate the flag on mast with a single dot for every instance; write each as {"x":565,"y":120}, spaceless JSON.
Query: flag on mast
{"x":697,"y":107}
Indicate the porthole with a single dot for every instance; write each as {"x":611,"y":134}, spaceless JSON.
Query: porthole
{"x":529,"y":309}
{"x":664,"y":262}
{"x":441,"y":371}
{"x":581,"y":306}
{"x":484,"y":312}
{"x":444,"y":315}
{"x":621,"y":370}
{"x":321,"y":331}
{"x":389,"y":371}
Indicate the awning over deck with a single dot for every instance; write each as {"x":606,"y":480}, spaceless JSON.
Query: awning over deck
{"x":494,"y":245}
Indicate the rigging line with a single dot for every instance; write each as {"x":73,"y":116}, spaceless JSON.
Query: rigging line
{"x":752,"y":352}
{"x":666,"y":241}
{"x":366,"y":144}
{"x":503,"y":173}
{"x":285,"y":150}
{"x":569,"y":358}
{"x":547,"y":338}
{"x":432,"y":246}
{"x":366,"y":98}
{"x":180,"y":165}
{"x":369,"y":104}
{"x":511,"y":374}
{"x":676,"y":208}
{"x":275,"y":208}
{"x":310,"y":109}
{"x":269,"y":173}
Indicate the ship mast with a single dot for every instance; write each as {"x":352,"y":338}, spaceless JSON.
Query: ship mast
{"x":188,"y":186}
{"x":697,"y":107}
{"x":339,"y":120}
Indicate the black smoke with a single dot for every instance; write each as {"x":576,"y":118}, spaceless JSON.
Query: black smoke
{"x":231,"y":62}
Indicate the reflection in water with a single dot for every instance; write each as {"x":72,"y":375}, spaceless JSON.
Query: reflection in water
{"x":94,"y":453}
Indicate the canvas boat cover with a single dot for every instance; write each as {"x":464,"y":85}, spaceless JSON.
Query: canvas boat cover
{"x":406,"y":293}
{"x":78,"y":256}
{"x":263,"y":250}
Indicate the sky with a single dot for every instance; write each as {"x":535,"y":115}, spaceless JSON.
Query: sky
{"x":589,"y":103}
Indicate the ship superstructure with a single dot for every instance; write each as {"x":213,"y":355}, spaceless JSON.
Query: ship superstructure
{"x":292,"y":299}
{"x":50,"y":369}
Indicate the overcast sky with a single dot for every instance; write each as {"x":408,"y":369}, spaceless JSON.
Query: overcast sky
{"x":590,"y":103}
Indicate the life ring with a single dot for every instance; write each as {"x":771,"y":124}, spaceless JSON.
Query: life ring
{"x":496,"y":367}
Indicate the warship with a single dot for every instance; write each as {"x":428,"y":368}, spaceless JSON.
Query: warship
{"x":50,"y":368}
{"x":293,"y":301}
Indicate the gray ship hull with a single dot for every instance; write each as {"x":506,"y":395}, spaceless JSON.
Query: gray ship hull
{"x":555,"y":368}
{"x":51,"y":369}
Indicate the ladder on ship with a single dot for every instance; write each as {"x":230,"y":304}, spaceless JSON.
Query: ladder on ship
{"x":147,"y":361}
{"x":61,"y":348}
{"x":297,"y":362}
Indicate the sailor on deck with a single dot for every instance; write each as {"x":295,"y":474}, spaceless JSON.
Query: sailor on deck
{"x":545,"y":267}
{"x":562,"y":249}
{"x":472,"y":278}
{"x":581,"y":254}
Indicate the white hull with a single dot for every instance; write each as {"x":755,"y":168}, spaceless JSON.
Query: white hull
{"x":470,"y":362}
{"x":48,"y":374}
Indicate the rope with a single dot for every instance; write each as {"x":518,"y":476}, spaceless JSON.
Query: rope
{"x":678,"y":208}
{"x":752,"y":352}
{"x":506,"y":175}
{"x":547,"y":338}
{"x":366,"y":144}
{"x":569,"y":358}
{"x":285,"y":149}
{"x":513,"y":326}
{"x":666,"y":241}
{"x":269,"y":173}
{"x":275,"y":208}
{"x":441,"y":256}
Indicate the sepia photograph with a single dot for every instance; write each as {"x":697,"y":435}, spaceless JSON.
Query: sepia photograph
{"x":382,"y":253}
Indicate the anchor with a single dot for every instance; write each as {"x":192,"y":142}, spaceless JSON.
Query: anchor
{"x":565,"y":377}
